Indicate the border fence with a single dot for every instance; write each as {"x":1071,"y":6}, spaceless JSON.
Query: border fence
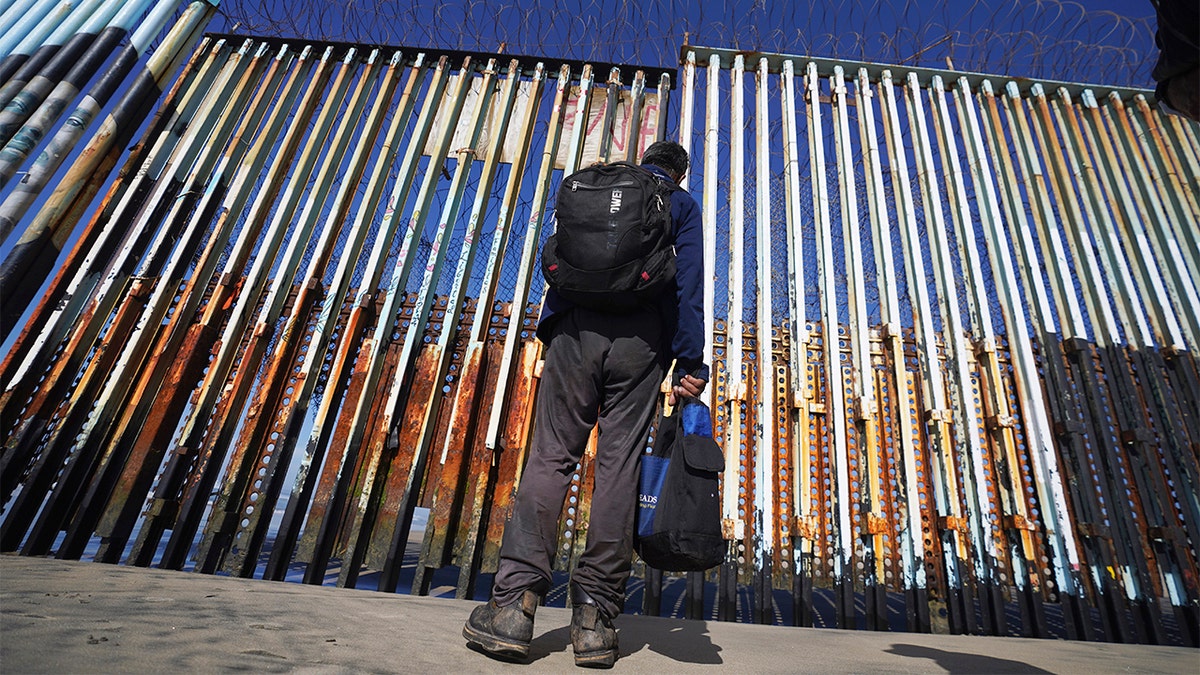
{"x":953,"y":331}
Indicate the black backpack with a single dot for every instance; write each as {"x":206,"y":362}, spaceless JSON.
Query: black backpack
{"x":679,"y":507}
{"x":612,"y":249}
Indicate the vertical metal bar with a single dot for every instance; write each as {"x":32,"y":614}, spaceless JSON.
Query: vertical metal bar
{"x":1065,"y":403}
{"x":860,"y":430}
{"x":1175,"y":458}
{"x":1066,"y":298}
{"x":137,"y":371}
{"x":736,"y":393}
{"x":234,"y":344}
{"x":734,"y":521}
{"x":1017,"y":514}
{"x":775,"y":415}
{"x":32,"y":13}
{"x":33,"y":256}
{"x":90,"y":239}
{"x":53,"y":59}
{"x":251,"y":351}
{"x":967,"y":440}
{"x":241,"y":187}
{"x":1179,"y":286}
{"x":1183,"y":143}
{"x":633,"y":132}
{"x":608,"y":117}
{"x":109,"y":232}
{"x":1123,"y":508}
{"x":1126,"y":292}
{"x":660,"y":124}
{"x":1141,"y":258}
{"x":801,"y":520}
{"x":358,"y":438}
{"x":912,"y":552}
{"x":866,"y":449}
{"x":331,"y":497}
{"x":532,"y":241}
{"x":1064,"y":406}
{"x":937,"y":416}
{"x":50,"y":62}
{"x":993,"y":416}
{"x":169,"y":509}
{"x":92,"y":386}
{"x":1128,"y":215}
{"x":17,"y":392}
{"x":376,"y":350}
{"x":1048,"y":483}
{"x":855,"y":283}
{"x":1188,"y":136}
{"x":766,"y":478}
{"x":1114,"y":589}
{"x":1079,"y":213}
{"x":28,"y":35}
{"x":687,"y":111}
{"x":29,"y":400}
{"x":835,"y":411}
{"x":579,"y":124}
{"x":878,"y":523}
{"x":59,"y":147}
{"x":178,"y":359}
{"x":712,"y":125}
{"x":1183,"y":202}
{"x":1111,"y":596}
{"x":18,"y":11}
{"x":1093,"y":284}
{"x":711,"y":148}
{"x":476,"y":377}
{"x":522,"y":390}
{"x":415,"y":431}
{"x":261,"y":418}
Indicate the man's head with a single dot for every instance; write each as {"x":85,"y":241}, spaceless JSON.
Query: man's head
{"x":668,"y":156}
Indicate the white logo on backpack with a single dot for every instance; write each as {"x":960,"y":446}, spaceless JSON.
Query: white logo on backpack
{"x":614,"y":205}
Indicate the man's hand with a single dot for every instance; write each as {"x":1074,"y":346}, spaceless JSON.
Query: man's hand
{"x":689,"y":386}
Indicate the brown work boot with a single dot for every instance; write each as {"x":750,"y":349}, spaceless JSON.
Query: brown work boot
{"x":592,"y":633}
{"x":503,"y":631}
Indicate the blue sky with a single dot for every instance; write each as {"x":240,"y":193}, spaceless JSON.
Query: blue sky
{"x":1093,"y":41}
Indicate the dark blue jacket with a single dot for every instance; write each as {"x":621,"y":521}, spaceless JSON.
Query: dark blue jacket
{"x":683,"y":312}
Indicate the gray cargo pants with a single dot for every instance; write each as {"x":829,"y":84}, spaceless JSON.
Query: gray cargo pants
{"x":599,"y":368}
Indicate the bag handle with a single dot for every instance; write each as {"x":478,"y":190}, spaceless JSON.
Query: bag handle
{"x":669,"y":428}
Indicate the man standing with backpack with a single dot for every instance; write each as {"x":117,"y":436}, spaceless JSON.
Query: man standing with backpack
{"x":626,"y":269}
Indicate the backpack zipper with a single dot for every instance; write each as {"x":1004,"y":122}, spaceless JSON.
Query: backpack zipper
{"x":575,"y":185}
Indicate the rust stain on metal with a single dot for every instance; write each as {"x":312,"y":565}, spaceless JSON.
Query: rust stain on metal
{"x":403,"y":476}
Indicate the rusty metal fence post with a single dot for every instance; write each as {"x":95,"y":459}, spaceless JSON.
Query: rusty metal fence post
{"x":952,"y":326}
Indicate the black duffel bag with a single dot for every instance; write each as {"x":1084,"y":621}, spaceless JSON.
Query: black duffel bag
{"x":679,"y":497}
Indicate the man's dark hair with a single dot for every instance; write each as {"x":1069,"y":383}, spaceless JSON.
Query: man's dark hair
{"x":667,"y":155}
